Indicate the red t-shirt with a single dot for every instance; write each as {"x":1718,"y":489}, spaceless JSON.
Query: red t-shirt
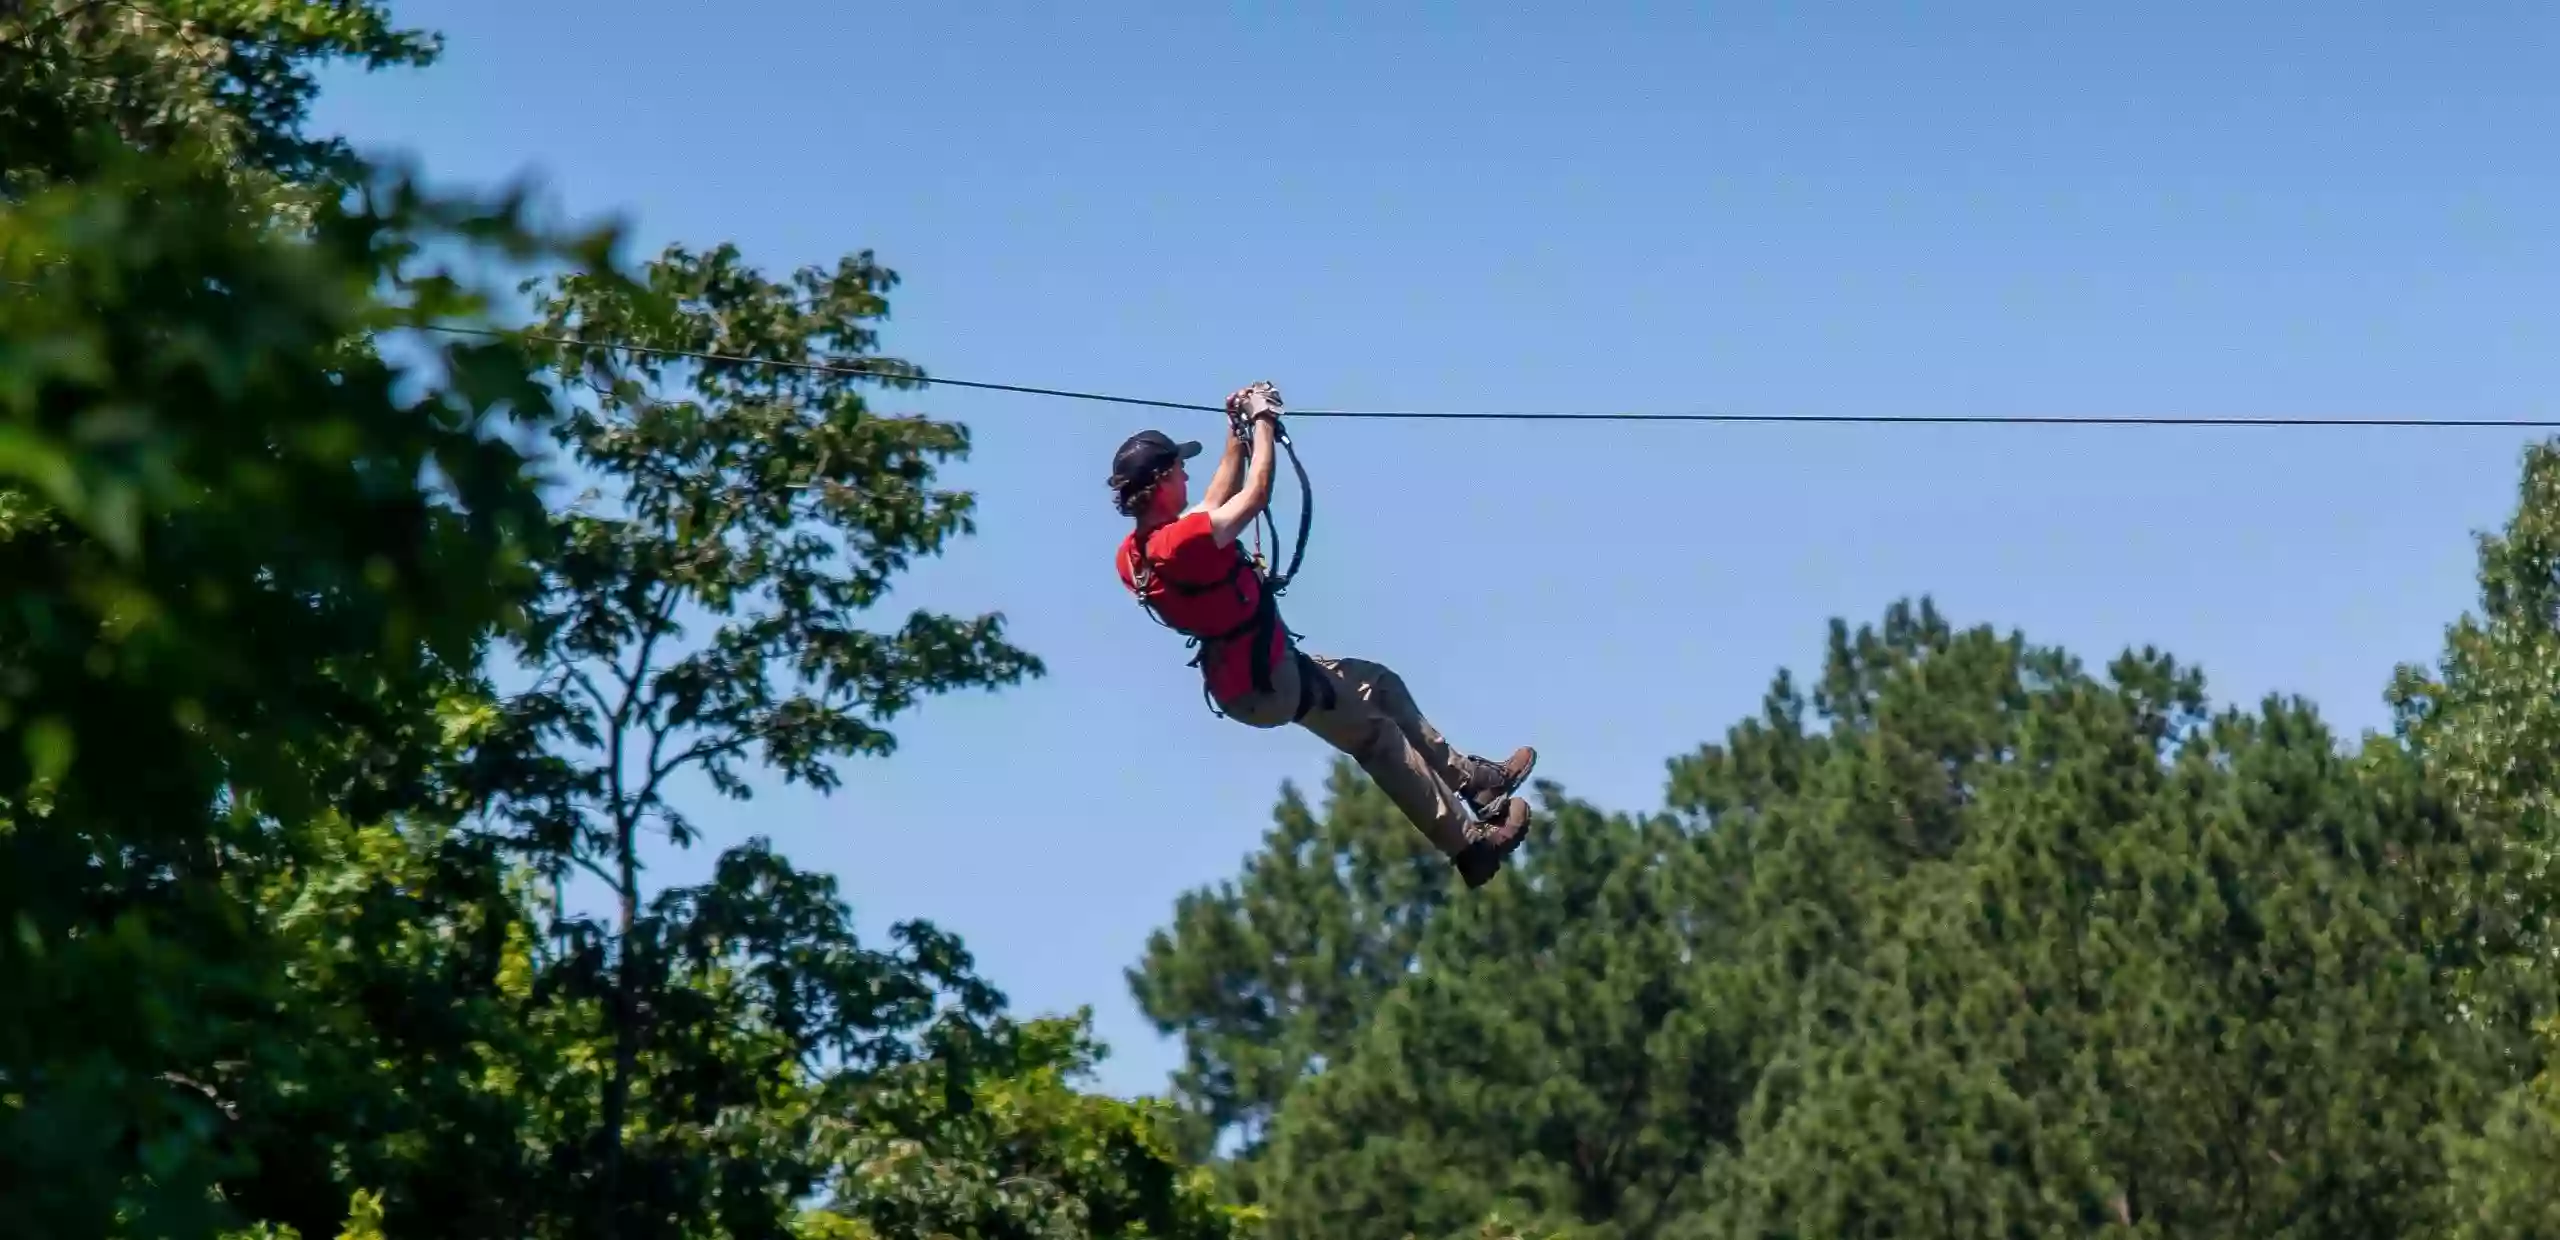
{"x":1184,"y":552}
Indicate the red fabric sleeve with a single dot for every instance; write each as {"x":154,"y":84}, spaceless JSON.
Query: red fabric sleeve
{"x":1189,"y":550}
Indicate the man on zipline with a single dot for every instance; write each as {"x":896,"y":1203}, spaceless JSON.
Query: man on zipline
{"x":1183,"y":563}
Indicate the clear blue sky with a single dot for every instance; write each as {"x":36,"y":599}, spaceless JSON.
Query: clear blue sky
{"x":1967,"y":207}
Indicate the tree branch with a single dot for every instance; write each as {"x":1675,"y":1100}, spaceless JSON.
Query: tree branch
{"x":622,"y":680}
{"x":229,"y":1109}
{"x":625,"y":816}
{"x":658,"y":733}
{"x":587,"y":863}
{"x":707,"y":749}
{"x":577,"y":676}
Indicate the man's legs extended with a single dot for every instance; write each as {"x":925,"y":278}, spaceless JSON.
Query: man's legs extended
{"x":1353,"y":723}
{"x":1482,"y":783}
{"x":1364,"y":710}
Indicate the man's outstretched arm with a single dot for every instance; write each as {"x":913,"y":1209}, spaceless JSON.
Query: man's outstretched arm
{"x":1260,"y":404}
{"x":1227,"y":477}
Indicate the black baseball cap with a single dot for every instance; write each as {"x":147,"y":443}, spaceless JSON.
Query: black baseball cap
{"x":1147,"y":454}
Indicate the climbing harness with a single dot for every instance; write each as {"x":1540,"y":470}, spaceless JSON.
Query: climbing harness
{"x":1313,"y":686}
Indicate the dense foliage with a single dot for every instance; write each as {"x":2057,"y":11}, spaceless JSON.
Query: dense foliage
{"x":1969,"y":939}
{"x":320,"y":693}
{"x":317,"y":694}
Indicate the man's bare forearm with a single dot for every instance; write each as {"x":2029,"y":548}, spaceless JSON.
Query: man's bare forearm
{"x":1229,"y":474}
{"x":1228,"y":517}
{"x":1257,"y":485}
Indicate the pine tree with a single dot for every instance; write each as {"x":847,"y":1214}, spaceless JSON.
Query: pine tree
{"x":1270,"y":976}
{"x":1971,"y":940}
{"x":1552,"y":1061}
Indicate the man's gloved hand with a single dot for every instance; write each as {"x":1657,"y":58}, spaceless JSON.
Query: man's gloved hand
{"x":1252,"y":404}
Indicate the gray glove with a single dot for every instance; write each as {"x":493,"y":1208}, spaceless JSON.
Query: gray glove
{"x":1251,"y":404}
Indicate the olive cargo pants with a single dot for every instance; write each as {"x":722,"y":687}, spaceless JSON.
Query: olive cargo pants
{"x":1369,"y":715}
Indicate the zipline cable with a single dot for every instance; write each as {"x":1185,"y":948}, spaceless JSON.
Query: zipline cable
{"x":1805,"y":419}
{"x":1831,"y":419}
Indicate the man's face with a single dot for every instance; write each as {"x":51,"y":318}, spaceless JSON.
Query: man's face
{"x":1173,"y":492}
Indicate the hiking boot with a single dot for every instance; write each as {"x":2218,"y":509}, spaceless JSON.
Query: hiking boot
{"x":1493,"y":842}
{"x":1490,"y":783}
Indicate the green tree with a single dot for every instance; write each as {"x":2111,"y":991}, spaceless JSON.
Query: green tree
{"x":2175,"y":995}
{"x":999,"y":1144}
{"x":1968,"y":941}
{"x":766,"y":501}
{"x":266,"y":987}
{"x":1551,"y":1061}
{"x":230,"y":80}
{"x":409,"y":1061}
{"x":1268,"y":977}
{"x":225,"y":555}
{"x":2482,"y":726}
{"x":251,"y":470}
{"x":762,"y":1006}
{"x":2498,"y":1185}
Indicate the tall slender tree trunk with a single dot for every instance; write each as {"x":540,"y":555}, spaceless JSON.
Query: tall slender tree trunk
{"x":626,"y":1034}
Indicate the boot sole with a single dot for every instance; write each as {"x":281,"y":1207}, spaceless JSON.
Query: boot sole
{"x":1505,"y":792}
{"x":1501,"y":856}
